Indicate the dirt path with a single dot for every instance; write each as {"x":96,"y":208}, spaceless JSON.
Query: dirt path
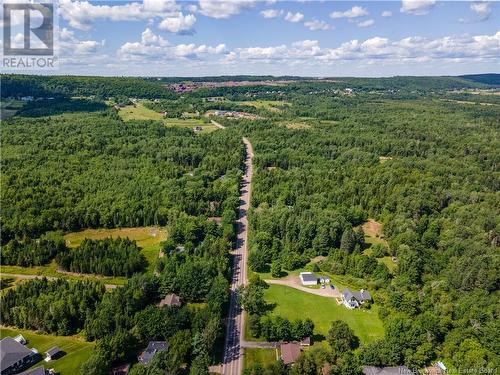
{"x":294,"y":282}
{"x":217,"y":124}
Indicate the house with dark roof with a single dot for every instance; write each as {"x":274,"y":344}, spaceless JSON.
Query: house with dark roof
{"x":52,"y":353}
{"x":352,"y":300}
{"x":398,"y":370}
{"x":171,"y":300}
{"x":15,"y":356}
{"x":40,"y":370}
{"x":290,"y":351}
{"x":153,"y":347}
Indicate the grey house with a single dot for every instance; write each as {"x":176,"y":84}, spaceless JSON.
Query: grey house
{"x":15,"y":356}
{"x":153,"y":347}
{"x":352,"y":300}
{"x":40,"y":370}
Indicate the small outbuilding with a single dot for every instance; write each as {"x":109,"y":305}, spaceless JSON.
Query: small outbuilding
{"x":308,"y":278}
{"x":52,"y":353}
{"x":122,"y":369}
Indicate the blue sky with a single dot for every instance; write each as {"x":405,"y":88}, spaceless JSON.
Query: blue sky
{"x":314,"y":38}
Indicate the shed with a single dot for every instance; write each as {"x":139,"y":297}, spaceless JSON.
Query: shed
{"x":308,"y":278}
{"x":52,"y":353}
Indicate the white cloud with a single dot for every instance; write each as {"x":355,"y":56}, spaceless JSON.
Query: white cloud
{"x":366,"y":23}
{"x":314,"y":25}
{"x":271,"y":13}
{"x":482,"y":9}
{"x":354,"y":12}
{"x":386,"y":13}
{"x":224,"y":8}
{"x":81,"y":14}
{"x":153,"y":47}
{"x":417,"y":7}
{"x":294,"y":17}
{"x":178,"y":24}
{"x":69,"y":44}
{"x":406,"y":50}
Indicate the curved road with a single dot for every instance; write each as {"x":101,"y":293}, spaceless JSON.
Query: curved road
{"x":233,"y":345}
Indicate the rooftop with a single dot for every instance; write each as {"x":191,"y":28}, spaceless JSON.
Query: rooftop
{"x":398,"y":370}
{"x":53,"y":351}
{"x":171,"y":300}
{"x":40,"y":370}
{"x":308,"y":276}
{"x":290,"y":352}
{"x":153,"y":347}
{"x":11,"y":352}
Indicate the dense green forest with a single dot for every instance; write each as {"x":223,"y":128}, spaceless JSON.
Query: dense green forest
{"x":405,"y":151}
{"x":101,"y":87}
{"x":108,"y":257}
{"x":79,"y":171}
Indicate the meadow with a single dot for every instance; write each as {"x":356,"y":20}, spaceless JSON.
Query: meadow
{"x":295,"y":304}
{"x":258,"y":355}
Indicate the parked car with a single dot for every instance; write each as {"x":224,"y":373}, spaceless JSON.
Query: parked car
{"x":332,"y":286}
{"x":322,"y":286}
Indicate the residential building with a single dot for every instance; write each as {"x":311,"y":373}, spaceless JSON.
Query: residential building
{"x":308,"y":278}
{"x":40,"y":370}
{"x":121,"y":369}
{"x":352,"y":300}
{"x":398,"y":370}
{"x":171,"y":300}
{"x":15,"y":356}
{"x":153,"y":347}
{"x":290,"y":352}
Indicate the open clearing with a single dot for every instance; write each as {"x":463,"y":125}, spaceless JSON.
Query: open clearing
{"x":147,"y":238}
{"x":268,"y":105}
{"x":262,"y":356}
{"x":76,"y":349}
{"x":140,"y":112}
{"x":9,"y":108}
{"x":294,"y":304}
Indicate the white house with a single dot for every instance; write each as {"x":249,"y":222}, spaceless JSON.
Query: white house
{"x":352,"y":300}
{"x":308,"y":278}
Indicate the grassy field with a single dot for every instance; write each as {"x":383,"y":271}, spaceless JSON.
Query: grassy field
{"x":262,"y":356}
{"x":140,"y":112}
{"x":9,"y":108}
{"x":268,"y":105}
{"x":295,"y":304}
{"x":76,"y":349}
{"x":147,"y":238}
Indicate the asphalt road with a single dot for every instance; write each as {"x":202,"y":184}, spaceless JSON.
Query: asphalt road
{"x":233,"y":345}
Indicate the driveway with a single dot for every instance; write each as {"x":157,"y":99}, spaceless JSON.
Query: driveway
{"x":294,"y":282}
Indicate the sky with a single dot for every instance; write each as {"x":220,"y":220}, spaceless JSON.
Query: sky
{"x":306,"y":38}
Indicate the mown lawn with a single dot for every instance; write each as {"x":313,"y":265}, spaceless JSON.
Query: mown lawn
{"x":295,"y":304}
{"x":76,"y":349}
{"x":262,"y":356}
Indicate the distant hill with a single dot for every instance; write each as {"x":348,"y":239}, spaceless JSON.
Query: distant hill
{"x":492,"y":79}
